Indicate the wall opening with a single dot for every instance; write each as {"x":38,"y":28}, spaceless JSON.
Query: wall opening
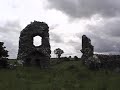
{"x":37,"y":41}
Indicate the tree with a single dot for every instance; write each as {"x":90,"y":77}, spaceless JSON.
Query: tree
{"x":58,"y":52}
{"x":3,"y":52}
{"x":76,"y":58}
{"x":3,"y":56}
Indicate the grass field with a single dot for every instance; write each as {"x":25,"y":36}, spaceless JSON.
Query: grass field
{"x":70,"y":75}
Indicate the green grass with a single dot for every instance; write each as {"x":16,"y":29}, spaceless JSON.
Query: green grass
{"x":71,"y":75}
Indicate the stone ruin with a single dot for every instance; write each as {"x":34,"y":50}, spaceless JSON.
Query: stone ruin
{"x":109,"y":61}
{"x":31,"y":54}
{"x":97,"y":61}
{"x":87,"y":48}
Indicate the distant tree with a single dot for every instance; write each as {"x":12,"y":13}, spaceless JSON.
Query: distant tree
{"x":3,"y":52}
{"x":58,"y":52}
{"x":70,"y":58}
{"x":3,"y":56}
{"x":75,"y":58}
{"x":66,"y":59}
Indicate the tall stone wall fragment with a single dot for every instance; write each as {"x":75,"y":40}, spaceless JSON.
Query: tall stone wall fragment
{"x":31,"y":54}
{"x":87,"y":48}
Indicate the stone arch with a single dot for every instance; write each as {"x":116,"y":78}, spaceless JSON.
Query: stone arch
{"x":26,"y":46}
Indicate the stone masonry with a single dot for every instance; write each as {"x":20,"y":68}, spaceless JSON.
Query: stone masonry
{"x":30,"y":54}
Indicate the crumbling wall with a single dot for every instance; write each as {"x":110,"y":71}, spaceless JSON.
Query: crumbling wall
{"x":109,"y":61}
{"x":87,"y":48}
{"x":27,"y":51}
{"x":97,"y":61}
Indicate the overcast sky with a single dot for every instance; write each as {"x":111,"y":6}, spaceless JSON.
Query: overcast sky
{"x":68,"y":21}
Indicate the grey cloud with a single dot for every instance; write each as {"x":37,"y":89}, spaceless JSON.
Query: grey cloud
{"x":113,"y":28}
{"x":87,"y":8}
{"x":105,"y":38}
{"x":76,"y":45}
{"x":56,"y":38}
{"x":110,"y":28}
{"x":13,"y":49}
{"x":53,"y":26}
{"x":10,"y":26}
{"x":9,"y":34}
{"x":105,"y":45}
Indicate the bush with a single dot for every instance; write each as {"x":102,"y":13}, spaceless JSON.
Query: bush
{"x":4,"y":63}
{"x":66,"y":59}
{"x":76,"y":58}
{"x":93,"y":63}
{"x":3,"y":56}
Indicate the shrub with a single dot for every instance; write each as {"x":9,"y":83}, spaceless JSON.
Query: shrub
{"x":76,"y":58}
{"x":4,"y":63}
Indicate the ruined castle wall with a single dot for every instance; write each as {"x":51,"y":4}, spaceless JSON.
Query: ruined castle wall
{"x":26,"y":47}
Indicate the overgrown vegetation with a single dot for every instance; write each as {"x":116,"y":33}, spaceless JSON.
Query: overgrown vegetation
{"x":3,"y":56}
{"x":67,"y":75}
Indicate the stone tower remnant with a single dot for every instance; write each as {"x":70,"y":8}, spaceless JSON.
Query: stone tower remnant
{"x":34,"y":55}
{"x":87,"y":48}
{"x":98,"y":61}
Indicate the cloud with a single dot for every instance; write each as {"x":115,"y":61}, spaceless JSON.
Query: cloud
{"x":68,"y":43}
{"x":87,"y":8}
{"x":56,"y":38}
{"x":113,"y":28}
{"x":68,"y":21}
{"x":9,"y":34}
{"x":109,"y":27}
{"x":106,"y":36}
{"x":76,"y":45}
{"x":10,"y":26}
